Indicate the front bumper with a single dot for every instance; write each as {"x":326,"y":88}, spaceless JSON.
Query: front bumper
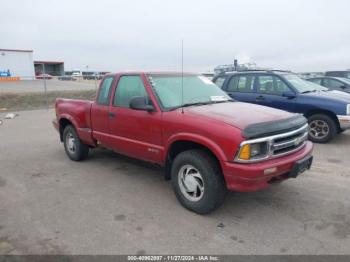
{"x":344,"y":122}
{"x":253,"y":177}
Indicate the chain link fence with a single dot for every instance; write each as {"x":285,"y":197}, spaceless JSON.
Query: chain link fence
{"x":42,"y":92}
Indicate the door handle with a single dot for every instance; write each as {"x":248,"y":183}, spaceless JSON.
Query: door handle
{"x":260,"y":98}
{"x":111,"y":114}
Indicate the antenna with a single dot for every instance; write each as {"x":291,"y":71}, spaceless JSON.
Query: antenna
{"x":182,"y":75}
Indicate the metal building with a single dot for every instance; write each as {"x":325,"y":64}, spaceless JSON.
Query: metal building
{"x":53,"y":68}
{"x":17,"y":63}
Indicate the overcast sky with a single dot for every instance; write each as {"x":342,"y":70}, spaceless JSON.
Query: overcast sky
{"x":301,"y":35}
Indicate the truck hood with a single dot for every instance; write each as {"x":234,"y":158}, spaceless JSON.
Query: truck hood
{"x":238,"y":114}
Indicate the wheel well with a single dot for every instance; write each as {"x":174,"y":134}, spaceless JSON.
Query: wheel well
{"x":325,"y":112}
{"x":181,"y":146}
{"x":63,"y":123}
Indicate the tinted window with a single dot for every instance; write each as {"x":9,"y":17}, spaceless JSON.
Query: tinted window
{"x":280,"y":87}
{"x":127,"y":88}
{"x":271,"y":85}
{"x":105,"y":91}
{"x":331,"y":83}
{"x":243,"y":84}
{"x":220,"y":81}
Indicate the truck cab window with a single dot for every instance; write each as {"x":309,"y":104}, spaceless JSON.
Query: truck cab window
{"x":105,"y":91}
{"x":127,"y":88}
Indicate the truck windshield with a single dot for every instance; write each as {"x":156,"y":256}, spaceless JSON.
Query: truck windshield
{"x":197,"y":90}
{"x":299,"y":84}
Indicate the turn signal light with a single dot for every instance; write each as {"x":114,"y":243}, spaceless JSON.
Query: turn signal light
{"x":244,"y":153}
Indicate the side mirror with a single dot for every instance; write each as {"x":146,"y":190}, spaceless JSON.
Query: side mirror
{"x":139,"y":103}
{"x":288,"y":94}
{"x":343,"y":87}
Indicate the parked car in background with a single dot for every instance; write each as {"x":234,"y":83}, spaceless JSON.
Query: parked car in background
{"x":208,"y":75}
{"x":93,"y":76}
{"x":206,"y":142}
{"x":332,"y":83}
{"x":343,"y":74}
{"x":67,"y":78}
{"x":43,"y":76}
{"x":328,"y":112}
{"x":77,"y":73}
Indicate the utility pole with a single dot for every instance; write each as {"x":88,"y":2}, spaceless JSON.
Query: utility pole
{"x":45,"y":87}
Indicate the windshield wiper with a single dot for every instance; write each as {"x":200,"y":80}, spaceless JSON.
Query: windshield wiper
{"x":309,"y":91}
{"x":190,"y":104}
{"x":200,"y":104}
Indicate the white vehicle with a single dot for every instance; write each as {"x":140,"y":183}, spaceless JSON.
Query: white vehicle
{"x":77,"y":73}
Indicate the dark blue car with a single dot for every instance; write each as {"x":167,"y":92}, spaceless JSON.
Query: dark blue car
{"x":328,"y":112}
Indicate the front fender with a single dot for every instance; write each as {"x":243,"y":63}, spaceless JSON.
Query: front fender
{"x":204,"y":141}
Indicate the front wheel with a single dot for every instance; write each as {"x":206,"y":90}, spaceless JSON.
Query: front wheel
{"x":198,"y":181}
{"x":75,"y":148}
{"x":322,"y":128}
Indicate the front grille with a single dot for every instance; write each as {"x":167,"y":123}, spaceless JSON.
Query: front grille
{"x":277,"y":145}
{"x":289,"y":142}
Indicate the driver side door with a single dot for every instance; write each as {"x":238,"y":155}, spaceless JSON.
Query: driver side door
{"x":134,"y":133}
{"x":270,"y":92}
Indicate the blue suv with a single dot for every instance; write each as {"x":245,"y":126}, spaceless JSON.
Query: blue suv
{"x":328,"y":112}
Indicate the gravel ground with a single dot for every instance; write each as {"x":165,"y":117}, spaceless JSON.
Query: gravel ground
{"x":110,"y":204}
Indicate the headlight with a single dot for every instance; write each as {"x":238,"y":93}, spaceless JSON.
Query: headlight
{"x":254,"y":151}
{"x":348,"y":109}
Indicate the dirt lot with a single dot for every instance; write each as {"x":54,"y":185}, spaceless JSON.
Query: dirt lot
{"x":39,"y":100}
{"x":28,"y":95}
{"x":110,"y":204}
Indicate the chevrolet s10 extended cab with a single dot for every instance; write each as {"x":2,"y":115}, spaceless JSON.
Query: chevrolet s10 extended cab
{"x":206,"y":142}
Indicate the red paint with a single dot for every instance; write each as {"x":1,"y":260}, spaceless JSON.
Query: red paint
{"x":149,"y":135}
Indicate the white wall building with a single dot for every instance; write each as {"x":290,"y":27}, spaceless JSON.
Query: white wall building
{"x":19,"y":62}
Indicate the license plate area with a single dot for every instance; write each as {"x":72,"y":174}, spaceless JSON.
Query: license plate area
{"x":301,"y":166}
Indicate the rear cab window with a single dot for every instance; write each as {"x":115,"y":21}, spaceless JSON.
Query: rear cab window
{"x":104,"y":92}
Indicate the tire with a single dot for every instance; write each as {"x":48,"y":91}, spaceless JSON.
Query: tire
{"x":75,"y":149}
{"x":321,"y":133}
{"x":210,"y":179}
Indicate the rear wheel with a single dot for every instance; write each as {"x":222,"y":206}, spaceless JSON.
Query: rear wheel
{"x":197,"y":181}
{"x":75,"y":148}
{"x":322,"y":128}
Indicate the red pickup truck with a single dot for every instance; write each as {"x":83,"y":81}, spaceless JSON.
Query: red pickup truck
{"x":206,"y":142}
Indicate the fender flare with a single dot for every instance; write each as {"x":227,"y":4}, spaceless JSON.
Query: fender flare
{"x":204,"y":141}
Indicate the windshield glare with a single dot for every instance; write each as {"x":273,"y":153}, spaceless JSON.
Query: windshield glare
{"x":196,"y":89}
{"x":301,"y":85}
